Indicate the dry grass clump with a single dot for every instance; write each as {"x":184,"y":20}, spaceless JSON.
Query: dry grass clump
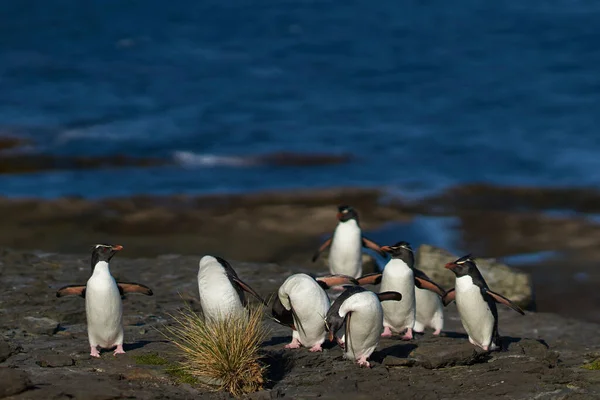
{"x":222,"y":354}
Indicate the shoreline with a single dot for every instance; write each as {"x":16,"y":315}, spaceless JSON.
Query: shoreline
{"x":285,"y":227}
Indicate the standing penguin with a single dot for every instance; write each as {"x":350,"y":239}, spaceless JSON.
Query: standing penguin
{"x":221,"y":290}
{"x":476,"y":303}
{"x":345,"y":256}
{"x":302,"y":303}
{"x":103,"y":306}
{"x":400,"y":275}
{"x":361,"y":310}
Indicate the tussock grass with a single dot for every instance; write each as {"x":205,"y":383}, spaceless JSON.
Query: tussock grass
{"x":222,"y":354}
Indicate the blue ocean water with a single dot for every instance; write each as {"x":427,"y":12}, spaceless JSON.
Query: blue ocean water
{"x":425,"y":94}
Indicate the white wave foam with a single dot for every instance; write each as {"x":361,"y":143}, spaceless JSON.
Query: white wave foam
{"x":190,"y":159}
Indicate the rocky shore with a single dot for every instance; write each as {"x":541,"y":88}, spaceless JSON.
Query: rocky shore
{"x":44,"y":352}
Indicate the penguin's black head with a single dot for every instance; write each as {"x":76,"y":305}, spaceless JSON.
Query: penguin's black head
{"x":104,"y":252}
{"x":401,"y":250}
{"x":346,"y":213}
{"x":280,"y":314}
{"x":463,"y":266}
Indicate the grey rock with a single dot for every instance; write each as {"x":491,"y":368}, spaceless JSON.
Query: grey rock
{"x":535,"y":350}
{"x":40,"y":326}
{"x":54,"y":360}
{"x":13,"y":381}
{"x":260,"y":395}
{"x":443,"y":354}
{"x":394,"y":361}
{"x":5,"y":351}
{"x":516,"y":285}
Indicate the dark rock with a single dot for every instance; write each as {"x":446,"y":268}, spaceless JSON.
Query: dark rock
{"x":5,"y":351}
{"x":260,"y":395}
{"x":536,"y":350}
{"x":13,"y":381}
{"x":394,"y":361}
{"x":443,"y":354}
{"x":40,"y":326}
{"x":54,"y":360}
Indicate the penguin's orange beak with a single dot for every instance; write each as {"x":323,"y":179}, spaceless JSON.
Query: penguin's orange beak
{"x":339,"y":215}
{"x":117,"y":247}
{"x":331,"y":336}
{"x":450,"y":266}
{"x":387,"y":249}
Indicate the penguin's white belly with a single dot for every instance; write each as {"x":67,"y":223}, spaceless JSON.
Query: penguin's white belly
{"x":218,"y":297}
{"x":475,"y":314}
{"x":310,"y":304}
{"x":104,"y":311}
{"x":399,"y":315}
{"x":430,"y":310}
{"x":365,"y":327}
{"x":345,"y":255}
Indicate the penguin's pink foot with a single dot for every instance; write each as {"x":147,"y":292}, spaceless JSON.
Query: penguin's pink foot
{"x":408,"y":335}
{"x":437,"y":332}
{"x":363,"y":362}
{"x":387,"y":332}
{"x":119,"y":350}
{"x":341,"y":343}
{"x":295,"y":344}
{"x":94,"y":352}
{"x":316,"y":347}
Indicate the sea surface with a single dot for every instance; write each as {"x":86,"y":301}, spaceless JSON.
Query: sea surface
{"x":423,"y":94}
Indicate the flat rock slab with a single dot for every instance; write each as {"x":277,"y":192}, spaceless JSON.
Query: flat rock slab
{"x":5,"y":351}
{"x":54,"y":360}
{"x":13,"y":381}
{"x":40,"y":326}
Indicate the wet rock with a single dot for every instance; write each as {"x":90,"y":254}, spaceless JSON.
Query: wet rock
{"x":40,"y":326}
{"x":445,"y":354}
{"x":13,"y":381}
{"x":5,"y":351}
{"x":515,"y":285}
{"x":53,"y":360}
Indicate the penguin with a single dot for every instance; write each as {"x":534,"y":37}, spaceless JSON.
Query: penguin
{"x":221,"y":290}
{"x":476,"y":303}
{"x":345,"y":256}
{"x":400,"y":275}
{"x":103,"y":306}
{"x":302,"y":303}
{"x":360,"y":309}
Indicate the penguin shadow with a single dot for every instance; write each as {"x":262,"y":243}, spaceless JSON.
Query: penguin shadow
{"x":141,"y":344}
{"x":454,"y":335}
{"x":507,"y":341}
{"x":402,"y":350}
{"x":280,"y":363}
{"x":276,"y":340}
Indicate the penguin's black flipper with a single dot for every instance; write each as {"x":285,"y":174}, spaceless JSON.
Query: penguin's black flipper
{"x":384,"y":296}
{"x":422,"y":281}
{"x":132,"y":287}
{"x":325,"y":245}
{"x":248,"y":289}
{"x":371,"y":279}
{"x":373,"y":246}
{"x":449,"y":297}
{"x":503,"y":300}
{"x":71,"y":290}
{"x":335,"y":280}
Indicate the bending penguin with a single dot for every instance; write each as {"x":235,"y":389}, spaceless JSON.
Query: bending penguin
{"x":361,"y":310}
{"x":103,"y":306}
{"x":400,"y":275}
{"x":302,"y":303}
{"x":347,"y":241}
{"x":476,"y":303}
{"x":221,"y":290}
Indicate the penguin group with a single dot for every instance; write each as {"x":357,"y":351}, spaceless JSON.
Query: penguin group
{"x":408,"y":301}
